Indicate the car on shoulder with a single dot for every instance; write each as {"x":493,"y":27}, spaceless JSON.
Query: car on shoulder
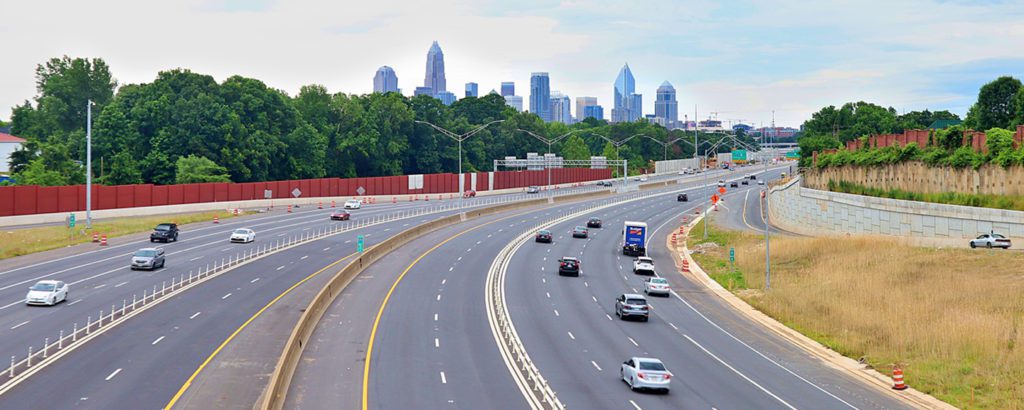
{"x":469,"y":194}
{"x":645,"y":373}
{"x":579,"y":232}
{"x":657,"y":286}
{"x":569,"y":266}
{"x":353,"y":204}
{"x":340,"y":215}
{"x":682,"y":197}
{"x":243,"y":235}
{"x":632,"y":305}
{"x":643,"y":265}
{"x":533,"y":189}
{"x":594,"y":222}
{"x":721,"y":183}
{"x":733,"y":184}
{"x":148,"y":258}
{"x":47,"y":292}
{"x":164,"y":232}
{"x":544,"y":236}
{"x":990,"y":240}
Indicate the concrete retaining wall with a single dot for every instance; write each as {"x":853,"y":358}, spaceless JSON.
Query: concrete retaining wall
{"x":919,"y":177}
{"x":674,"y":165}
{"x":813,"y":212}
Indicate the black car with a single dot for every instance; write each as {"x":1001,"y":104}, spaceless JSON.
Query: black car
{"x":682,"y":198}
{"x":569,"y":266}
{"x":753,"y":177}
{"x":604,"y":183}
{"x":733,"y":184}
{"x":543,"y":236}
{"x":594,"y":222}
{"x":164,"y":233}
{"x":579,"y":232}
{"x":745,"y":182}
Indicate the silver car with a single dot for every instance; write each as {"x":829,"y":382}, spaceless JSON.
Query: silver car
{"x":991,"y":240}
{"x":533,"y":190}
{"x":631,"y":304}
{"x":646,"y":373}
{"x":148,"y":258}
{"x":47,"y":292}
{"x":657,"y":286}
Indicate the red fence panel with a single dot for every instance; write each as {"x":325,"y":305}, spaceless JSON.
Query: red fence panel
{"x":175,"y":194}
{"x":191,"y":193}
{"x":221,"y":192}
{"x":235,"y":192}
{"x":107,"y":196}
{"x":160,"y":195}
{"x":7,"y":200}
{"x":305,"y":187}
{"x":67,"y":198}
{"x":125,"y":196}
{"x":143,"y":194}
{"x":25,"y":200}
{"x":47,"y":199}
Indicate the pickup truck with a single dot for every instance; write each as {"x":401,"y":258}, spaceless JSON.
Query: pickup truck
{"x":643,"y":266}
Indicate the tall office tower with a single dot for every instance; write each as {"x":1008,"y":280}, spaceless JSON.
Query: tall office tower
{"x":625,"y":87}
{"x":446,"y":97}
{"x":666,"y":109}
{"x":471,"y":90}
{"x":540,"y":95}
{"x":560,"y":108}
{"x":636,"y":106}
{"x":508,"y":88}
{"x":514,"y":101}
{"x":593,"y":111}
{"x":581,"y":106}
{"x":385,"y":81}
{"x":435,"y":69}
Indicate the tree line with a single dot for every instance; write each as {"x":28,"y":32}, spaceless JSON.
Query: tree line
{"x":186,"y":127}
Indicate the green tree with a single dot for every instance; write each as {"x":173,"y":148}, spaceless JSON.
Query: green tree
{"x":996,"y":105}
{"x":36,"y":173}
{"x":124,"y":170}
{"x":193,"y":169}
{"x":307,"y":149}
{"x":1018,"y":118}
{"x":575,"y":149}
{"x":810,"y":143}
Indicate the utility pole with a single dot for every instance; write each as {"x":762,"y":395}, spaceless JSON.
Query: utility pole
{"x":767,"y":245}
{"x":88,"y":165}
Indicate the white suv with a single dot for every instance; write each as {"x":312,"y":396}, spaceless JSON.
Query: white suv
{"x":643,"y":265}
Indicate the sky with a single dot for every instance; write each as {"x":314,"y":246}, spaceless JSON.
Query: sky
{"x":733,"y":60}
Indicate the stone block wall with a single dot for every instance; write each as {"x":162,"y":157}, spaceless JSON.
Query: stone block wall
{"x":921,"y":178}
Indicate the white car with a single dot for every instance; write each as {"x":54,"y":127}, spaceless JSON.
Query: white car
{"x":47,"y":292}
{"x":643,"y":265}
{"x":243,"y":235}
{"x":990,"y":240}
{"x":721,"y":183}
{"x":657,"y":286}
{"x":643,"y":179}
{"x":760,"y":182}
{"x":353,"y":204}
{"x":646,"y":373}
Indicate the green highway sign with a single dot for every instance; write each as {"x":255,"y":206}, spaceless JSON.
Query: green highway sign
{"x":71,"y":221}
{"x":732,"y":254}
{"x":359,"y":243}
{"x":739,"y":155}
{"x":793,"y":155}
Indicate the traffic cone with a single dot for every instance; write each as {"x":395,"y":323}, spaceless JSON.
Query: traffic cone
{"x":216,"y":220}
{"x":320,"y":205}
{"x":95,"y":237}
{"x":686,"y":265}
{"x":289,"y":209}
{"x":236,"y":212}
{"x":103,"y":240}
{"x":897,"y":379}
{"x":673,"y":239}
{"x":332,"y":204}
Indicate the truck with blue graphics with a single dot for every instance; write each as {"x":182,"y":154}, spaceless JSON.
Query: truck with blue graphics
{"x":634,"y":239}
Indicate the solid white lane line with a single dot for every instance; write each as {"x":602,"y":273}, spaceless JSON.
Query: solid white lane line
{"x":443,"y":379}
{"x":635,"y":405}
{"x":120,"y":284}
{"x":157,"y":340}
{"x":673,"y":326}
{"x":739,"y":373}
{"x":632,"y":341}
{"x":304,"y":257}
{"x":280,"y":267}
{"x":113,"y":374}
{"x":254,"y":280}
{"x":225,"y":296}
{"x":596,"y":366}
{"x":20,"y":324}
{"x":571,"y":336}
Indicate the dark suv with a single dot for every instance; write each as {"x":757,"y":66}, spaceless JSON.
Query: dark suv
{"x":594,"y":222}
{"x":682,"y":198}
{"x":164,"y":233}
{"x":569,"y":266}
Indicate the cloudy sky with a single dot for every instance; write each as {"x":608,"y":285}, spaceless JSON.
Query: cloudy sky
{"x":741,"y":59}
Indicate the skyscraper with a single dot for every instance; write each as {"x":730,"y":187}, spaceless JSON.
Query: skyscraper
{"x":540,"y":95}
{"x":514,"y":101}
{"x":628,"y":105}
{"x":560,"y":108}
{"x":581,"y":106}
{"x":385,"y":81}
{"x":423,"y":91}
{"x":508,"y":88}
{"x":446,"y":97}
{"x":592,"y":111}
{"x":636,"y":106}
{"x":435,"y":69}
{"x":471,"y":90}
{"x":666,"y":109}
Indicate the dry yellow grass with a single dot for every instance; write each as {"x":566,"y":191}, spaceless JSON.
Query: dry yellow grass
{"x":952,"y":317}
{"x":31,"y":240}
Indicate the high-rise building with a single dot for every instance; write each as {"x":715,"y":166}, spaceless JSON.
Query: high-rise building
{"x":514,"y":101}
{"x":435,"y":69}
{"x":581,"y":106}
{"x":508,"y":88}
{"x":593,"y":111}
{"x":561,"y":108}
{"x":471,"y":90}
{"x":385,"y":81}
{"x":423,"y":91}
{"x":625,"y":88}
{"x":540,"y":95}
{"x":446,"y":97}
{"x":636,"y":106}
{"x":666,"y":109}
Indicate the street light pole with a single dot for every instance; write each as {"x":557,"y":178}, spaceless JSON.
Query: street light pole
{"x":617,"y":144}
{"x":88,"y":165}
{"x":460,"y":138}
{"x":550,"y":142}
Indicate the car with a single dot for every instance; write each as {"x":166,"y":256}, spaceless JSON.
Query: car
{"x":991,"y":240}
{"x":643,"y":179}
{"x":657,"y":286}
{"x":165,"y":232}
{"x":544,"y":235}
{"x":569,"y":266}
{"x":682,"y":198}
{"x":645,"y":373}
{"x":148,"y":258}
{"x":469,"y":194}
{"x":745,"y":182}
{"x":636,"y":178}
{"x":760,"y":182}
{"x":733,"y":184}
{"x":340,"y":215}
{"x":752,"y":176}
{"x":683,"y":172}
{"x":630,"y":305}
{"x":721,"y":183}
{"x":643,"y":265}
{"x":353,"y":204}
{"x":594,"y":222}
{"x":604,"y":183}
{"x":579,"y":232}
{"x":47,"y":292}
{"x":243,"y":235}
{"x":533,"y":189}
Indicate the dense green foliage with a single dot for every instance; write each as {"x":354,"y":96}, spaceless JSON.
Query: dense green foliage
{"x":193,"y":169}
{"x":947,"y":151}
{"x":256,"y":133}
{"x":854,"y":120}
{"x":952,"y":198}
{"x":996,"y":106}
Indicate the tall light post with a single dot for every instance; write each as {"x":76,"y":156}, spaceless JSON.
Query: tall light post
{"x":663,"y":144}
{"x":88,"y":165}
{"x":460,"y":138}
{"x":617,"y":144}
{"x":550,"y":142}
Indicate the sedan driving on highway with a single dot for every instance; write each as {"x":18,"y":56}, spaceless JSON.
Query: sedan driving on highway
{"x":632,"y":305}
{"x":469,"y":194}
{"x":594,"y":222}
{"x":47,"y":292}
{"x":340,"y":215}
{"x":991,"y":240}
{"x":543,"y":236}
{"x":148,"y":258}
{"x":657,"y":286}
{"x":642,"y":373}
{"x":243,"y":235}
{"x":569,"y":266}
{"x":760,"y":182}
{"x":733,"y":184}
{"x":533,"y":189}
{"x":353,"y":204}
{"x":579,"y":232}
{"x":682,"y":198}
{"x":721,"y":183}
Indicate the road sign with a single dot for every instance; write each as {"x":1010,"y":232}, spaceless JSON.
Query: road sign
{"x":296,"y":192}
{"x":721,"y":190}
{"x":732,"y":254}
{"x":714,"y":198}
{"x":360,"y":190}
{"x":359,"y":243}
{"x":267,"y":194}
{"x":71,"y":221}
{"x":739,"y":155}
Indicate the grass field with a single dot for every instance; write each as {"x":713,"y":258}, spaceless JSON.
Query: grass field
{"x":952,"y":317}
{"x":31,"y":240}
